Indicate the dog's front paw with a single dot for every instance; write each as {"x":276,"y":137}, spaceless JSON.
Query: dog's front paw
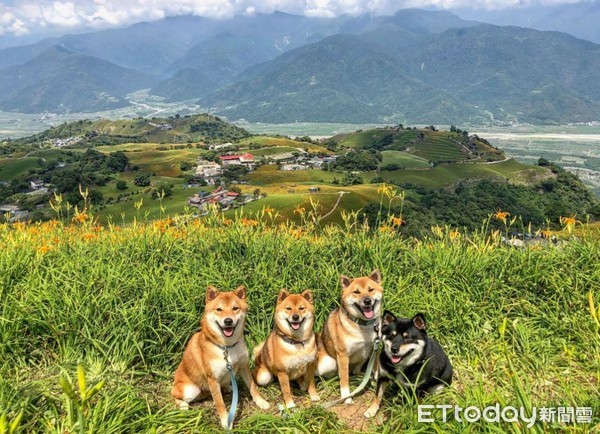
{"x":261,"y":403}
{"x":348,"y":401}
{"x":371,"y":411}
{"x":224,"y":423}
{"x":315,"y":397}
{"x":290,"y":405}
{"x":184,"y":405}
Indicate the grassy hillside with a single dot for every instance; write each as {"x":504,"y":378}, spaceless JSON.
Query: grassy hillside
{"x":519,"y":325}
{"x":175,"y":129}
{"x":427,"y":144}
{"x":12,"y":167}
{"x":404,"y":159}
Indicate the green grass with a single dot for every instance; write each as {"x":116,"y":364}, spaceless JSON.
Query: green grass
{"x":266,"y":141}
{"x":268,"y":174}
{"x":151,"y":208}
{"x":448,"y":174}
{"x":164,"y":163}
{"x":404,"y":159}
{"x":516,"y":323}
{"x":269,"y":151}
{"x":11,"y":168}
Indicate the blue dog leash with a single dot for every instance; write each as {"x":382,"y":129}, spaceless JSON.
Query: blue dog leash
{"x":368,"y":371}
{"x":234,"y":389}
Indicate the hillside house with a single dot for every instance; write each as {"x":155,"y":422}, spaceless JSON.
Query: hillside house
{"x":208,"y":171}
{"x":283,"y":157}
{"x":246,"y":159}
{"x":37,"y":184}
{"x":13,"y":213}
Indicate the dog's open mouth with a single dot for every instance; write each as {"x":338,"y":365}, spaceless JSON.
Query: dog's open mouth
{"x":367,"y":311}
{"x":227,"y":330}
{"x":397,"y":359}
{"x":295,"y":325}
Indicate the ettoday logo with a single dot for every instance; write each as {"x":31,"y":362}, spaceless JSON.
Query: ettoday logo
{"x":497,"y":414}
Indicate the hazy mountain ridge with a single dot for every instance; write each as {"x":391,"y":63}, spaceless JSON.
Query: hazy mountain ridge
{"x":60,"y":79}
{"x":473,"y":73}
{"x":415,"y":66}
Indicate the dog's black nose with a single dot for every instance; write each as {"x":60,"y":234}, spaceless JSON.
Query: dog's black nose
{"x":228,"y":322}
{"x":295,"y":317}
{"x":395,"y":349}
{"x":367,"y":301}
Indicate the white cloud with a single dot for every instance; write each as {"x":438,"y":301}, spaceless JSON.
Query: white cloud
{"x":10,"y":24}
{"x":21,"y":16}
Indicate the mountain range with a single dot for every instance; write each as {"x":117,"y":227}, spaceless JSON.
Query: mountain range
{"x":414,"y":67}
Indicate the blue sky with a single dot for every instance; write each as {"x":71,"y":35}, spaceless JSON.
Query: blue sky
{"x":26,"y":17}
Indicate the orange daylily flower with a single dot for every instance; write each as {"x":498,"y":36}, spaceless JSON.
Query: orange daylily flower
{"x":501,"y":215}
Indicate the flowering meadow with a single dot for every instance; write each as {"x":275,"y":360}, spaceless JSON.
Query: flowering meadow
{"x":94,"y":319}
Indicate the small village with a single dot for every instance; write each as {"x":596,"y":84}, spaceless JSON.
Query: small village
{"x":211,"y":173}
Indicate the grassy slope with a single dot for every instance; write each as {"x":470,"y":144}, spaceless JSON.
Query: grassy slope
{"x":124,"y":302}
{"x":404,"y":159}
{"x":448,"y":174}
{"x":13,"y":167}
{"x":286,"y":190}
{"x":436,"y":146}
{"x":282,"y":141}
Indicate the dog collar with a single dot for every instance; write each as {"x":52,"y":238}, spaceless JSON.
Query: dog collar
{"x":225,"y":347}
{"x":359,"y":321}
{"x":289,"y":340}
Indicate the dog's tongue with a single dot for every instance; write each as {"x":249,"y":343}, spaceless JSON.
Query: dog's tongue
{"x":228,"y":331}
{"x":295,"y":325}
{"x":368,"y":312}
{"x":396,"y":359}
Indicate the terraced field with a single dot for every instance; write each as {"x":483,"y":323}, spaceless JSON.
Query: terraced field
{"x":439,"y":151}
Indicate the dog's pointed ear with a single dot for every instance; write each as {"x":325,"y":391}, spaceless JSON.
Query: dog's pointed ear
{"x":388,"y":317}
{"x":375,"y":276}
{"x":308,"y":295}
{"x":345,"y":281}
{"x":283,"y":294}
{"x":240,"y":291}
{"x":419,"y":321}
{"x":211,"y":293}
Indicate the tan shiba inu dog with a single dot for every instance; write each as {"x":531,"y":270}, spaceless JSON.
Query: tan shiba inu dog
{"x":348,"y":336}
{"x":290,"y":351}
{"x":203,"y":370}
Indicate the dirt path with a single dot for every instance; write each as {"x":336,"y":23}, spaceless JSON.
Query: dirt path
{"x":341,"y":193}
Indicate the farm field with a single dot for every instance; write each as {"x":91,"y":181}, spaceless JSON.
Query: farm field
{"x":520,"y":325}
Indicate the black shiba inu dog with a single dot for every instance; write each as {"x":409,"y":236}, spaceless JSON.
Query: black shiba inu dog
{"x":410,"y":357}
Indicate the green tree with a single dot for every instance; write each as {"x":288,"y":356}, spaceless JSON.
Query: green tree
{"x":162,"y":189}
{"x":116,"y":162}
{"x":142,"y":179}
{"x":121,"y":185}
{"x":352,"y":179}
